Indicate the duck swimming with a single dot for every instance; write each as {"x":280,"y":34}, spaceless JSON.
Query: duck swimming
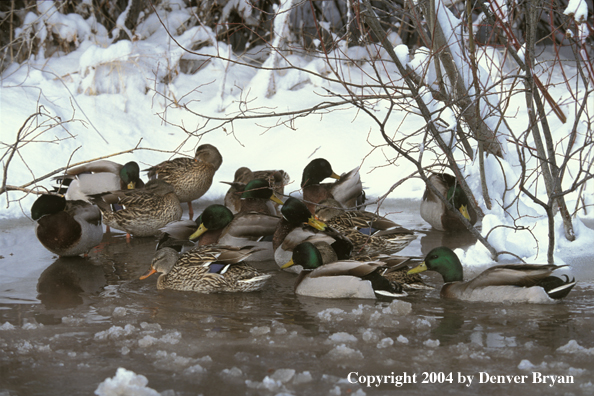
{"x":528,"y":283}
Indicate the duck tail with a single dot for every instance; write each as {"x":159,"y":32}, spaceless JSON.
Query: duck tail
{"x":383,"y":287}
{"x":557,"y":288}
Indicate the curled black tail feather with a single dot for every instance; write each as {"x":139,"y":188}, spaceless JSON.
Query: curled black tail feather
{"x":557,"y":288}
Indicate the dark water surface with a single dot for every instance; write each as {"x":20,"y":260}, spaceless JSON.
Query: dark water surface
{"x":67,"y":325}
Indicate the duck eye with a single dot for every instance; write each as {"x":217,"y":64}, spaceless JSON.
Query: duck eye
{"x":433,"y":256}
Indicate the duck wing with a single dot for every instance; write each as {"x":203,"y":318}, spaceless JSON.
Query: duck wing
{"x":523,"y":275}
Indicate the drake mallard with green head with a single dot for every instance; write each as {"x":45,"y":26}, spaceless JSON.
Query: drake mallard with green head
{"x":277,"y":179}
{"x":207,"y":269}
{"x":66,"y":228}
{"x":435,"y":212}
{"x":348,"y":189}
{"x":99,"y":177}
{"x":522,"y":283}
{"x":143,"y":210}
{"x":299,"y":225}
{"x":217,"y":224}
{"x":372,"y":235}
{"x":341,"y":279}
{"x":190,"y":177}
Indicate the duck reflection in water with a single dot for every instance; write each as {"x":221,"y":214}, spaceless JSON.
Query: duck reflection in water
{"x":65,"y":283}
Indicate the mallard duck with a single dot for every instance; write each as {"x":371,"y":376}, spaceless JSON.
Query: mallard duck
{"x":144,"y":210}
{"x":298,"y":225}
{"x":341,"y":279}
{"x":190,"y":177}
{"x":259,"y":197}
{"x":348,"y":189}
{"x":372,"y":235}
{"x":397,"y":268}
{"x":217,"y":224}
{"x":435,"y":212}
{"x":99,"y":177}
{"x":528,"y":283}
{"x":66,"y":228}
{"x":278,"y":179}
{"x":207,"y":269}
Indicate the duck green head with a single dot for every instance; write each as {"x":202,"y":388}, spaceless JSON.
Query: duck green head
{"x":130,"y":174}
{"x":46,"y":205}
{"x":316,"y":171}
{"x":295,"y":212}
{"x":306,"y":255}
{"x":459,"y":199}
{"x":444,"y":261}
{"x":259,"y":189}
{"x":214,"y":217}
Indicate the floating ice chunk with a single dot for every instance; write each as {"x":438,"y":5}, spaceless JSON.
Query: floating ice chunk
{"x":32,"y":326}
{"x":7,"y":326}
{"x":270,"y":384}
{"x":525,"y":364}
{"x":232,"y":372}
{"x":342,"y":337}
{"x":115,"y":332}
{"x":283,"y":375}
{"x":398,"y":308}
{"x":370,"y":335}
{"x":343,"y":352}
{"x":147,"y":341}
{"x":335,"y":391}
{"x":194,"y":370}
{"x":125,"y":382}
{"x":302,"y":378}
{"x":326,"y":315}
{"x":258,"y":331}
{"x":204,"y":359}
{"x":573,"y":347}
{"x":576,"y":371}
{"x":119,"y":312}
{"x":385,"y":342}
{"x":422,"y":322}
{"x":172,"y":338}
{"x":357,"y":311}
{"x":431,"y":343}
{"x":402,"y":339}
{"x":150,"y":326}
{"x":72,"y":321}
{"x":125,"y":350}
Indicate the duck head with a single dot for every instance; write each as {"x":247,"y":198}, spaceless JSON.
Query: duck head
{"x":306,"y":255}
{"x":316,"y":171}
{"x":295,"y":212}
{"x":260,"y":189}
{"x":46,"y":205}
{"x":444,"y":261}
{"x":214,"y":217}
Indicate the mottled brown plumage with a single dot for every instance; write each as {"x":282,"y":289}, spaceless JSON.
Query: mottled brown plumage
{"x":190,"y":178}
{"x":277,"y":179}
{"x":144,"y":210}
{"x":372,"y":235}
{"x":207,"y":269}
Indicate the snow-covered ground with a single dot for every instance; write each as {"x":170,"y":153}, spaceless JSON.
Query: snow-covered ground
{"x":114,"y":97}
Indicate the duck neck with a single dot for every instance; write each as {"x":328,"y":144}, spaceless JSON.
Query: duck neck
{"x":283,"y":229}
